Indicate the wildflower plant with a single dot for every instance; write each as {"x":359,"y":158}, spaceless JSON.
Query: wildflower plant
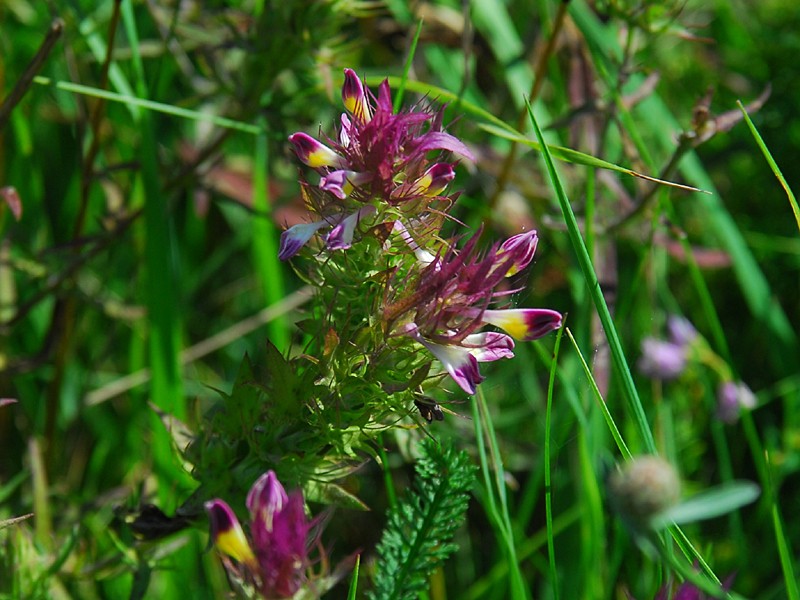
{"x":379,"y":186}
{"x":397,"y":309}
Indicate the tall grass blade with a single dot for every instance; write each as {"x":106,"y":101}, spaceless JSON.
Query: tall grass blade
{"x":265,"y":242}
{"x":496,"y":505}
{"x":548,"y":492}
{"x":589,"y":274}
{"x":772,"y":164}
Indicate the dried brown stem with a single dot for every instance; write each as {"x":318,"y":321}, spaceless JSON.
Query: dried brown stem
{"x":36,"y":64}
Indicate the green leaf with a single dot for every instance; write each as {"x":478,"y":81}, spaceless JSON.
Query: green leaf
{"x":710,"y":503}
{"x":325,"y":492}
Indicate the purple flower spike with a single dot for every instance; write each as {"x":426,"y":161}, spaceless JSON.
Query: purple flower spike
{"x":524,"y":324}
{"x":297,"y":236}
{"x":314,"y":153}
{"x":275,"y":560}
{"x":662,"y":360}
{"x":354,"y":97}
{"x":341,"y":236}
{"x":391,"y":151}
{"x":520,"y":248}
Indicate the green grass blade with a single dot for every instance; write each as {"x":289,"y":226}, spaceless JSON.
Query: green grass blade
{"x":265,"y":242}
{"x":579,"y":158}
{"x":496,"y":502}
{"x":160,"y":288}
{"x":134,"y":101}
{"x":785,"y":555}
{"x":548,"y":492}
{"x":601,"y":403}
{"x":351,"y":593}
{"x":589,"y":274}
{"x":772,"y":164}
{"x":401,"y":89}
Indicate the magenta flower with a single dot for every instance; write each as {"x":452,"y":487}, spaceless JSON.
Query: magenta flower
{"x":275,"y":558}
{"x":379,"y":157}
{"x":448,"y":303}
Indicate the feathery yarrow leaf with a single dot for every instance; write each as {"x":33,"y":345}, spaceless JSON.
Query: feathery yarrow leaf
{"x":419,"y":531}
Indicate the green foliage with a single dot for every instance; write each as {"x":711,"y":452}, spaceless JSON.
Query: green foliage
{"x":268,"y":421}
{"x":149,"y":159}
{"x":419,"y":530}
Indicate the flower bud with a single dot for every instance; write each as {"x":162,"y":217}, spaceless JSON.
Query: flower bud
{"x":521,"y":247}
{"x":354,"y":96}
{"x":315,"y":154}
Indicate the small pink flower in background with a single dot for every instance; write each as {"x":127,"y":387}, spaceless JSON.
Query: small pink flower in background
{"x":661,"y":359}
{"x":274,"y":560}
{"x":667,"y":359}
{"x":688,"y":591}
{"x":732,"y":398}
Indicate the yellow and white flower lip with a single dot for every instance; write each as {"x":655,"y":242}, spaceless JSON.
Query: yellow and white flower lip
{"x":314,"y":153}
{"x":227,"y":534}
{"x":355,"y":98}
{"x":524,"y":324}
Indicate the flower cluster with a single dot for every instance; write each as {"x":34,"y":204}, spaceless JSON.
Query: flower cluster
{"x":379,"y":171}
{"x":451,"y":302}
{"x":379,"y":157}
{"x":274,"y":560}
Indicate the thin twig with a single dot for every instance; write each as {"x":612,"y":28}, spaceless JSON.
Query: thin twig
{"x":205,"y":347}
{"x":538,"y":80}
{"x":19,"y":91}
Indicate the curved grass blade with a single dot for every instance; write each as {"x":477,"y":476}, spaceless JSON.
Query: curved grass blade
{"x":500,"y":128}
{"x":601,"y":403}
{"x":167,"y":109}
